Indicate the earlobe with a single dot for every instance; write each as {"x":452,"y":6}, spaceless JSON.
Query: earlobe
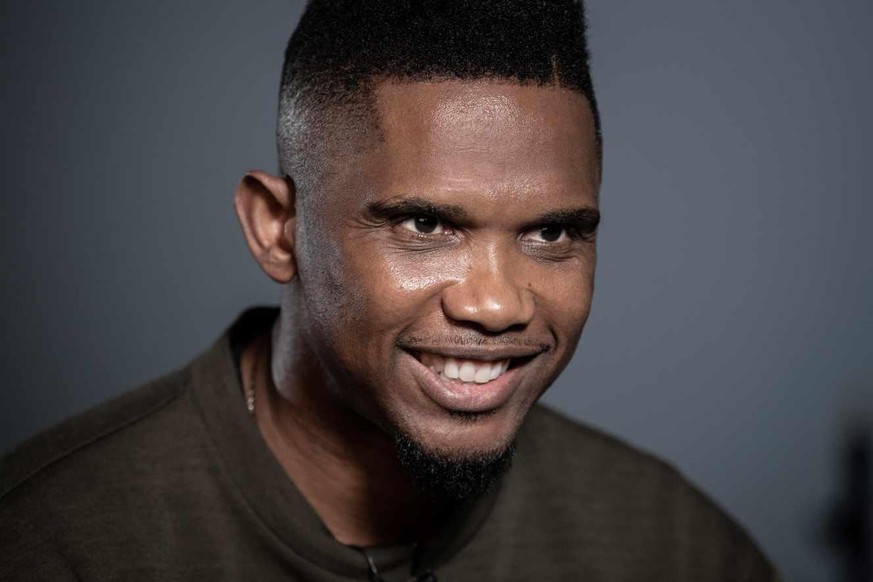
{"x":265,"y":207}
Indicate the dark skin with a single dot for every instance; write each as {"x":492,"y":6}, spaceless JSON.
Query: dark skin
{"x":467,"y":230}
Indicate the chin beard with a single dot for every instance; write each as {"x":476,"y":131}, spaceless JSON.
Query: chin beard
{"x":453,"y":478}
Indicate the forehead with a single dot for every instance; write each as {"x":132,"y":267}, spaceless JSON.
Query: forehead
{"x":454,"y":121}
{"x":481,"y":144}
{"x":458,"y":134}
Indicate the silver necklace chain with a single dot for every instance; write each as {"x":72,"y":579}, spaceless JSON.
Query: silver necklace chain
{"x":250,"y":389}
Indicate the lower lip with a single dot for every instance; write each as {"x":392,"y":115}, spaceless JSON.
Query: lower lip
{"x":466,"y":397}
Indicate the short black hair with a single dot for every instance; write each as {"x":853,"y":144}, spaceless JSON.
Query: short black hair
{"x":340,"y":47}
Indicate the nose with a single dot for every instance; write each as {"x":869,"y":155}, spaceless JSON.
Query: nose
{"x":490,"y":295}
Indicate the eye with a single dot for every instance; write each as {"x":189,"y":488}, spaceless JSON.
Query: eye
{"x":549,"y":234}
{"x":423,"y":224}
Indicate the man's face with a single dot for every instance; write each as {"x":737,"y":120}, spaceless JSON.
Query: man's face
{"x":447,"y":272}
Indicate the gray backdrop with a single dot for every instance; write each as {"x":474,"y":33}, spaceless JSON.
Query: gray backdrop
{"x":731,"y":330}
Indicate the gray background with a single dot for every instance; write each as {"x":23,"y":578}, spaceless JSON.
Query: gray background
{"x":731,"y":331}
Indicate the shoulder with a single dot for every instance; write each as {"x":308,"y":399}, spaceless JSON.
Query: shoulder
{"x":550,"y":439}
{"x":616,"y":504}
{"x":111,"y":420}
{"x":586,"y":467}
{"x":160,"y":417}
{"x":73,"y":483}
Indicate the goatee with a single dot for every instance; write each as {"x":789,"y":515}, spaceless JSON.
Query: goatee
{"x":453,"y":478}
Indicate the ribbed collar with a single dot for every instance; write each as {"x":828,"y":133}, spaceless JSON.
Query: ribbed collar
{"x":272,"y":495}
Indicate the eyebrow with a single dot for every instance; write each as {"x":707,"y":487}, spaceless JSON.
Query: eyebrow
{"x":582,"y":215}
{"x":386,"y":209}
{"x":409,"y":205}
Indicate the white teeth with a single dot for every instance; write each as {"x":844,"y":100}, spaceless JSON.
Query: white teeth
{"x":483,"y":374}
{"x":477,"y":371}
{"x":451,"y":370}
{"x":433,"y":361}
{"x":468,"y":371}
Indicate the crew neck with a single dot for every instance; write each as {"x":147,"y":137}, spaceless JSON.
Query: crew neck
{"x":271,"y":494}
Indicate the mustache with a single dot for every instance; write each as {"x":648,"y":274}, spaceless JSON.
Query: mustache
{"x":471,"y":339}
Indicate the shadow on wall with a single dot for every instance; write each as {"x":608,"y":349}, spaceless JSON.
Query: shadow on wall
{"x":849,"y":527}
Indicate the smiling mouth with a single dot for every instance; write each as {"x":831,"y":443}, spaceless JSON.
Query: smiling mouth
{"x":464,"y":370}
{"x":470,"y":385}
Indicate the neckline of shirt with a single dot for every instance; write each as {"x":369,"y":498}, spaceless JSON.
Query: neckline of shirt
{"x":275,"y":501}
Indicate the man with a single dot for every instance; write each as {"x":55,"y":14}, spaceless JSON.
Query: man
{"x":433,"y":228}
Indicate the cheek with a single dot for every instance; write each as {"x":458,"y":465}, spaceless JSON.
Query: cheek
{"x":397,"y":288}
{"x":324,"y":275}
{"x":564,"y":298}
{"x":423,"y":273}
{"x":364,"y":283}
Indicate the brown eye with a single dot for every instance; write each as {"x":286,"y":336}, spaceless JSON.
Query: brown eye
{"x":422,"y":224}
{"x":551,"y":233}
{"x":548,"y":234}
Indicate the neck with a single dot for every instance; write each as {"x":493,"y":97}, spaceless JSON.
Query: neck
{"x":344,"y":465}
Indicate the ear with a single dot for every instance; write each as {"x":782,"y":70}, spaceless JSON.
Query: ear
{"x":265,"y":206}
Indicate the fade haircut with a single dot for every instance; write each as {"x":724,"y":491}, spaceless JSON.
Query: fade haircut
{"x":341,"y":49}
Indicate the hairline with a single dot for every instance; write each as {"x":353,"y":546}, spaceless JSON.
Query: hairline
{"x":355,"y":111}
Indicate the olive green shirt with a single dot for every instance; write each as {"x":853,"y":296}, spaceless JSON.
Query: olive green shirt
{"x":173,"y":481}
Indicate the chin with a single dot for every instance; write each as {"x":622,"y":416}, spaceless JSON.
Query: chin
{"x":453,"y":474}
{"x":458,"y":455}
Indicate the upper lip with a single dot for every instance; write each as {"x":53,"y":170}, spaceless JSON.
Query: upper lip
{"x":478,"y":352}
